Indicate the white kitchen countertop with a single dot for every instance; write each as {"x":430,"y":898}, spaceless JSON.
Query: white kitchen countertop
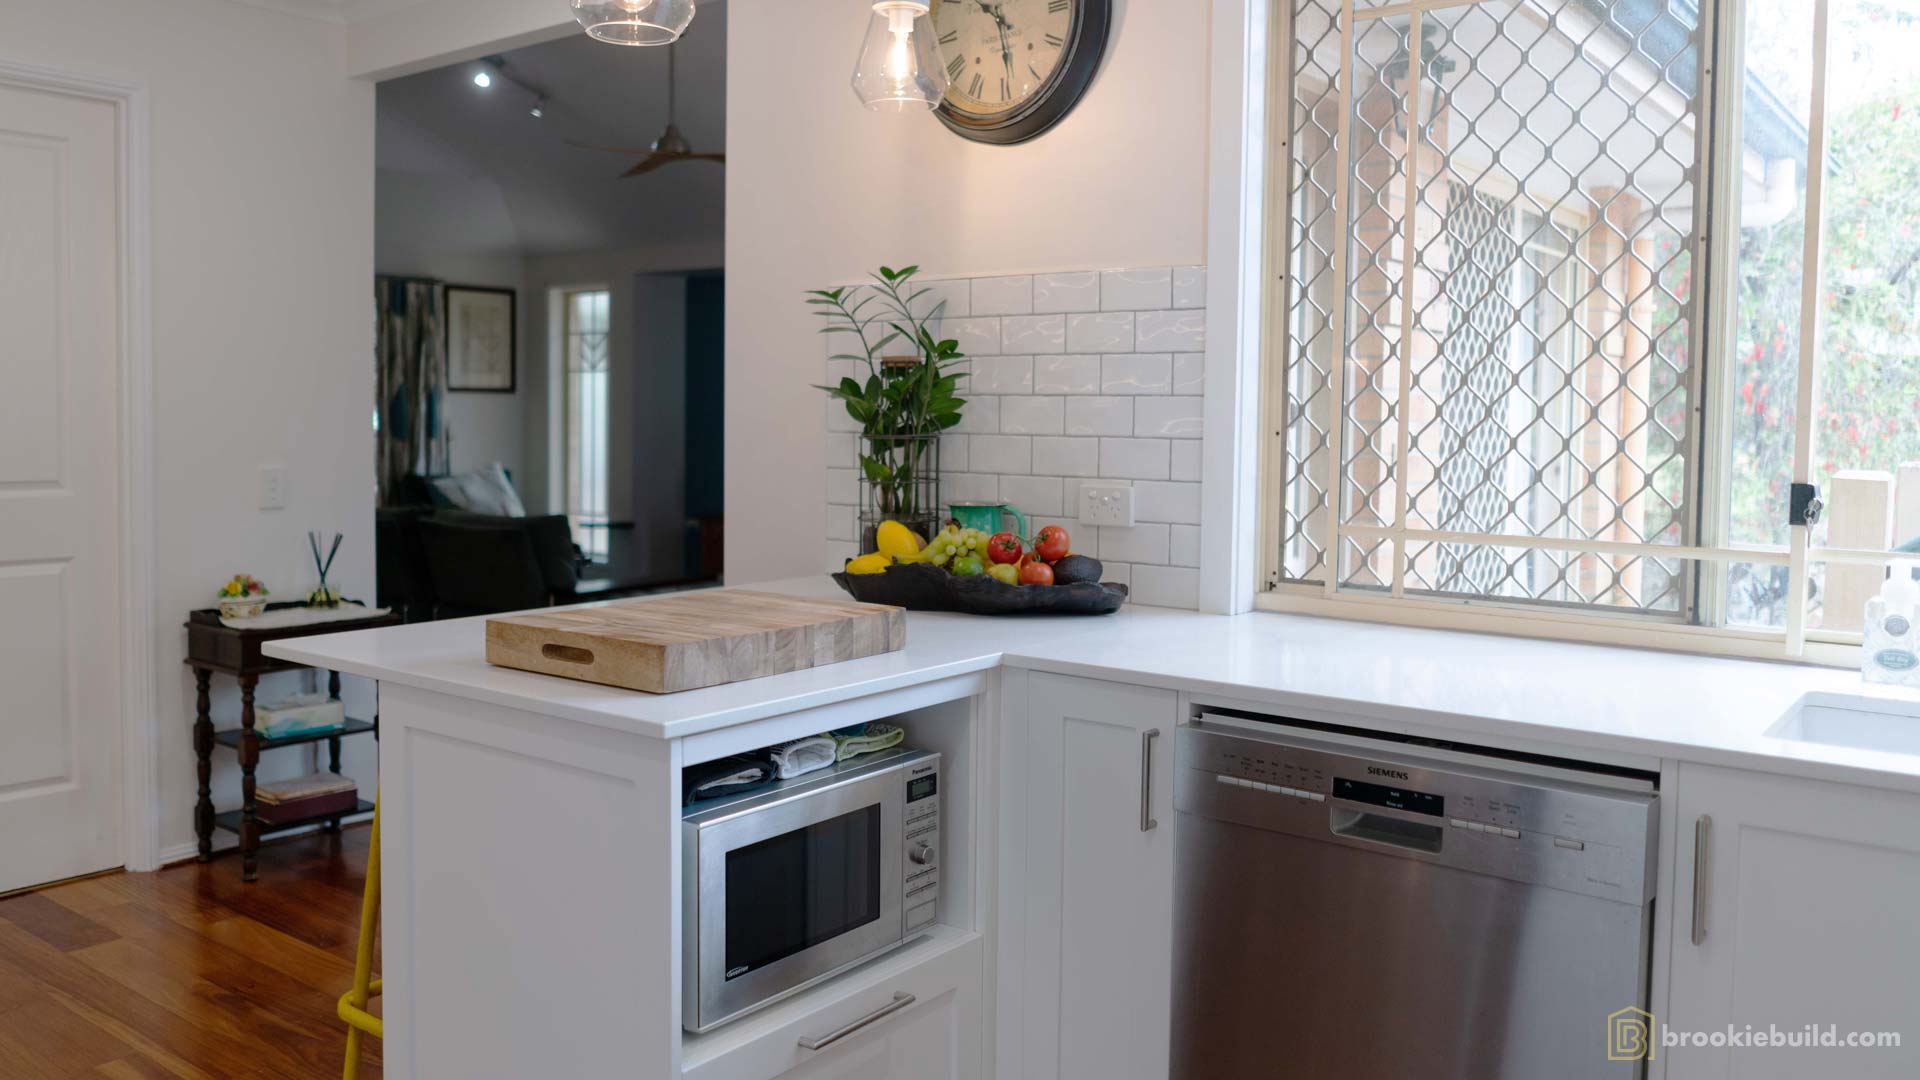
{"x":1623,"y":701}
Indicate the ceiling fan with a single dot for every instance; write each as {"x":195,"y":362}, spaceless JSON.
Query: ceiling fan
{"x":670,"y":147}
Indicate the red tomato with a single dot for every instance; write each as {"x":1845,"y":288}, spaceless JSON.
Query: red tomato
{"x":1051,"y":544}
{"x":1035,"y":572}
{"x":1005,"y":548}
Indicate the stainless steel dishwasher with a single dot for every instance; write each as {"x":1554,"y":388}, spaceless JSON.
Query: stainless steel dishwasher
{"x":1365,"y":909}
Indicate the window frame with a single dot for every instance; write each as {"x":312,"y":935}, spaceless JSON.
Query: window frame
{"x":564,"y":343}
{"x":1709,"y":558}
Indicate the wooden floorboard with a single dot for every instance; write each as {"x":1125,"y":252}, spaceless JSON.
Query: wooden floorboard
{"x":188,"y":973}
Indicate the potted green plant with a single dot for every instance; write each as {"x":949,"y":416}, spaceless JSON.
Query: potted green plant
{"x":906,"y":400}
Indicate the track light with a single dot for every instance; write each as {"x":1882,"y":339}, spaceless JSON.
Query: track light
{"x":482,"y":79}
{"x":539,"y":107}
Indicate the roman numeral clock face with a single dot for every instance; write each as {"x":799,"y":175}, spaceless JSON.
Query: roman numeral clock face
{"x":1015,"y":67}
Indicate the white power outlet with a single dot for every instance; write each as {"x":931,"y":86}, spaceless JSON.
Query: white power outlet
{"x":1106,"y":504}
{"x":273,"y":487}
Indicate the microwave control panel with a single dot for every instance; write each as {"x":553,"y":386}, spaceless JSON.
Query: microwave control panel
{"x":922,"y":862}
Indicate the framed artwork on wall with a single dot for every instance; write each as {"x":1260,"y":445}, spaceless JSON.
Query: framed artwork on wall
{"x":480,"y":339}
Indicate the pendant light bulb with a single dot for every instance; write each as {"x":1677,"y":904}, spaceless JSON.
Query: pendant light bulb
{"x":634,"y":22}
{"x":900,"y":67}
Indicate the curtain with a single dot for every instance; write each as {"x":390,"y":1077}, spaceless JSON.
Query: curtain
{"x":409,"y":384}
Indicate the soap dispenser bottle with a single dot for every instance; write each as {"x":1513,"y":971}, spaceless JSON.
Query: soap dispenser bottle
{"x":1891,"y":652}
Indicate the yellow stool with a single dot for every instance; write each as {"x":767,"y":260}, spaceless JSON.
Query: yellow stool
{"x":353,"y":1003}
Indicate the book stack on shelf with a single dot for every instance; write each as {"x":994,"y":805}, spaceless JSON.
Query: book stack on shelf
{"x":307,"y":714}
{"x":306,"y":797}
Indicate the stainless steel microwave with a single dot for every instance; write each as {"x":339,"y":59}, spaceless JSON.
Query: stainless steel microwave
{"x":792,"y":884}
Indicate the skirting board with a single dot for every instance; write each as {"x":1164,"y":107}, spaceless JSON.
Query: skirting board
{"x":178,"y":853}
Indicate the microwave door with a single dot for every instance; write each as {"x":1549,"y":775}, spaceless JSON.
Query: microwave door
{"x":792,"y":892}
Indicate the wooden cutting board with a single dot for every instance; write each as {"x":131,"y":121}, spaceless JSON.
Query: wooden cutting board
{"x":688,"y":640}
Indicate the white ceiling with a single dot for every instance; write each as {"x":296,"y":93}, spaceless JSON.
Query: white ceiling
{"x":477,"y":171}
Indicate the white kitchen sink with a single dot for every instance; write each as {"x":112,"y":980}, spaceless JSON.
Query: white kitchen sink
{"x":1865,"y":723}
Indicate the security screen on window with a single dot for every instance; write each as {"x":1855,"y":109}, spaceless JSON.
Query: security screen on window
{"x":1544,"y":275}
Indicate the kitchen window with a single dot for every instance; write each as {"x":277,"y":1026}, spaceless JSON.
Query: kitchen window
{"x":584,"y":339}
{"x":1554,"y":339}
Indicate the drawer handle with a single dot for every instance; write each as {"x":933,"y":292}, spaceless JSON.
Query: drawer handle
{"x":1702,"y":851}
{"x":567,"y":653}
{"x":1147,"y":824}
{"x":901,"y":999}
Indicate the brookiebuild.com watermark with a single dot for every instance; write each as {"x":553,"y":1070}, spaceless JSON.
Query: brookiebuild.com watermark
{"x":1635,"y":1035}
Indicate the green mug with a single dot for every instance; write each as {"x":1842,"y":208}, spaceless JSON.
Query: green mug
{"x":987,"y":516}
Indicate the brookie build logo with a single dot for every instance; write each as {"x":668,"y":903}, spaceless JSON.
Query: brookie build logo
{"x":1630,"y":1035}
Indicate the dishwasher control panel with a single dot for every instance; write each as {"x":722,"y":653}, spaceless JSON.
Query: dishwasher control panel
{"x":1489,"y":815}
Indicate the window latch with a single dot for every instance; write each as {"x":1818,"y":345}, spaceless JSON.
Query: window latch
{"x":1806,"y":505}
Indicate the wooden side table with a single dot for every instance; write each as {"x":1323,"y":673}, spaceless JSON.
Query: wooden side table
{"x":214,"y":648}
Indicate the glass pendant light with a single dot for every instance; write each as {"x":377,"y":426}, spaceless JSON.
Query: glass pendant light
{"x":900,"y":69}
{"x":634,"y":22}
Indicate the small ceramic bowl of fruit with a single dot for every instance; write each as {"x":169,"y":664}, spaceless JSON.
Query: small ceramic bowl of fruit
{"x":980,"y":573}
{"x":242,"y":597}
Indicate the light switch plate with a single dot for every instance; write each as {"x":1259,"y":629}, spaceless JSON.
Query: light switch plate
{"x":1106,"y":504}
{"x":273,"y":487}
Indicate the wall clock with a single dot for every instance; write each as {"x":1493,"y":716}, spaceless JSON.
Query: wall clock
{"x":1016,"y":67}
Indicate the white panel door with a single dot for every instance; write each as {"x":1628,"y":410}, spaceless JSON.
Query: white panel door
{"x":1811,"y":916}
{"x":59,"y":487}
{"x":1098,"y":959}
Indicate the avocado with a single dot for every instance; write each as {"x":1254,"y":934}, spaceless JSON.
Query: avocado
{"x":1074,"y":569}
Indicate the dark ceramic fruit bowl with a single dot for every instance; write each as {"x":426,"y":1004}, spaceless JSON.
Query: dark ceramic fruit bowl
{"x":918,"y":587}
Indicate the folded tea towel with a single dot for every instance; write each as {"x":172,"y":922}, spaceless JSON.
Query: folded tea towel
{"x":727,"y":776}
{"x":802,"y":756}
{"x":866,"y":738}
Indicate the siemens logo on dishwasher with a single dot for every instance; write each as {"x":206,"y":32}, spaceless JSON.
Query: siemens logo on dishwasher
{"x":1395,"y":774}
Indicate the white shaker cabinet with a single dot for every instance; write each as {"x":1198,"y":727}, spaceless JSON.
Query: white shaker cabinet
{"x":1086,"y":959}
{"x":1796,"y":902}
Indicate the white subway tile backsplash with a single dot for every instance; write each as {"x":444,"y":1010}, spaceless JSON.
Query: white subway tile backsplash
{"x":950,"y":297}
{"x":1029,"y":415}
{"x":1146,"y":543}
{"x":1162,"y":500}
{"x":1035,"y":334}
{"x":977,"y":336}
{"x":1066,"y":374}
{"x":1034,"y":495}
{"x":1134,"y":459}
{"x":1107,"y":332}
{"x":840,"y":450}
{"x":1189,"y":286}
{"x":1060,"y":293}
{"x":837,"y":418}
{"x":969,"y":487}
{"x":1001,"y":454}
{"x":1073,"y":377}
{"x":1069,"y":456}
{"x":1003,"y":295}
{"x":1183,"y":545}
{"x":840,"y":523}
{"x":1167,"y":417}
{"x":979,"y":416}
{"x":999,"y":375}
{"x":838,"y":552}
{"x":1189,"y":373}
{"x":846,"y":369}
{"x":1136,"y":290}
{"x":1099,"y":416}
{"x":841,"y":487}
{"x":1166,"y":586}
{"x":1136,"y":373}
{"x":1186,"y":459}
{"x":1172,"y":331}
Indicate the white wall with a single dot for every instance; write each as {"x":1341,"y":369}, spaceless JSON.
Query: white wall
{"x":262,"y":174}
{"x":820,"y":192}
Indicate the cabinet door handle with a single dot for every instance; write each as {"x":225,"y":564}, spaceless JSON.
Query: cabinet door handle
{"x":901,"y":999}
{"x":1702,"y":848}
{"x":1147,"y":824}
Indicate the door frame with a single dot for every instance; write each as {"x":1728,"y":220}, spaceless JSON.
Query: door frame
{"x":139,"y":692}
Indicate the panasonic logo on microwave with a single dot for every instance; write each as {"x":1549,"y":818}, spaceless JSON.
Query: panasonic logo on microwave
{"x":1393,"y":773}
